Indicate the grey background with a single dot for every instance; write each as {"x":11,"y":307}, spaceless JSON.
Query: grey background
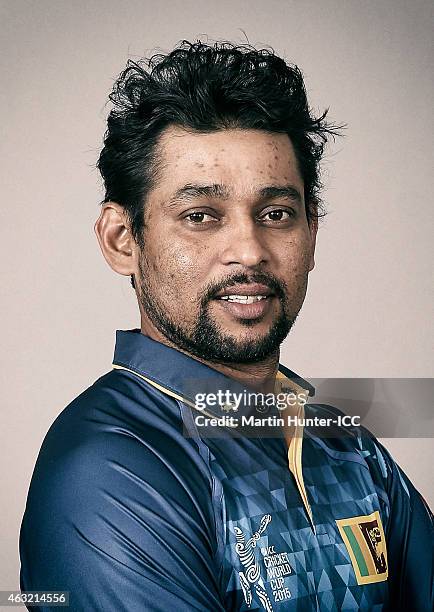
{"x":369,"y":306}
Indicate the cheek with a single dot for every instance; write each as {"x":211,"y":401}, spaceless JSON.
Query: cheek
{"x":177,"y":267}
{"x":297,"y":251}
{"x":296,"y":261}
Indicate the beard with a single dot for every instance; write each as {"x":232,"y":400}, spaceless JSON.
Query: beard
{"x":205,"y":339}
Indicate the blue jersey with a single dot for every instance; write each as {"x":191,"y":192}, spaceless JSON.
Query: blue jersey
{"x":131,"y":507}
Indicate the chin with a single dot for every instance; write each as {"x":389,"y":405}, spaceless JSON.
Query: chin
{"x":248,"y":329}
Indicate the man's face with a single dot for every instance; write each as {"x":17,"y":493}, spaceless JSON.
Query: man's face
{"x":227,"y":247}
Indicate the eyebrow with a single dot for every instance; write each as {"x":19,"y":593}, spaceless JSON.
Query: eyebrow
{"x":287,"y":191}
{"x":192,"y":191}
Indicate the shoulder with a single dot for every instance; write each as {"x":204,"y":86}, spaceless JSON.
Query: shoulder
{"x":119,"y":497}
{"x":343,"y":438}
{"x":119,"y":440}
{"x":346,"y":441}
{"x":119,"y":411}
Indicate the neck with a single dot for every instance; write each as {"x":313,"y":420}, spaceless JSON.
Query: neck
{"x":259,"y":376}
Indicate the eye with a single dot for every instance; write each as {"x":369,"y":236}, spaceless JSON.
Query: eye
{"x":199,"y":218}
{"x":277,"y":215}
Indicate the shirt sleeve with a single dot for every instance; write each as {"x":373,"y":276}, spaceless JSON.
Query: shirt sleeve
{"x":410,"y":541}
{"x":114,"y":522}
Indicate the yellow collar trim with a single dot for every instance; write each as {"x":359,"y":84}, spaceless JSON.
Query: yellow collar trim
{"x":294,"y":437}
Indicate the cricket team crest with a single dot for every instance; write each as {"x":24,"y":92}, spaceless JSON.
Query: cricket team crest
{"x":364,"y":538}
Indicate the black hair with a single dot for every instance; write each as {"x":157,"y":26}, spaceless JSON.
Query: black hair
{"x":205,"y":88}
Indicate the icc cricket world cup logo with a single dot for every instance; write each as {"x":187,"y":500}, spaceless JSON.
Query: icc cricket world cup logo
{"x":250,"y":578}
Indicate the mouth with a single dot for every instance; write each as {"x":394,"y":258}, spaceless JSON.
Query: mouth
{"x":243,"y":299}
{"x":246,"y":301}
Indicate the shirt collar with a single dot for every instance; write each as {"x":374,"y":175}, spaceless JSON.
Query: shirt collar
{"x":175,"y":371}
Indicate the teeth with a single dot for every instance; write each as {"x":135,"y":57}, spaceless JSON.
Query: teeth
{"x":243,"y":299}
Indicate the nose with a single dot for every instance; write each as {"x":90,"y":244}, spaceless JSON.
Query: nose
{"x":243,"y":244}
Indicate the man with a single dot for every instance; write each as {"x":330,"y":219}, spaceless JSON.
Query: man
{"x":143,"y":497}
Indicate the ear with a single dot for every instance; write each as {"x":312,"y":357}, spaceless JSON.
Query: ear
{"x":117,"y":244}
{"x":313,"y":229}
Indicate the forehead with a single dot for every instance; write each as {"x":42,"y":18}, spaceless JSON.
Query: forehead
{"x":241,"y":159}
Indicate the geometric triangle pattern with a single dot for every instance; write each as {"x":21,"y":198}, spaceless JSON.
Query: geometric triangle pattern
{"x":273,"y":558}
